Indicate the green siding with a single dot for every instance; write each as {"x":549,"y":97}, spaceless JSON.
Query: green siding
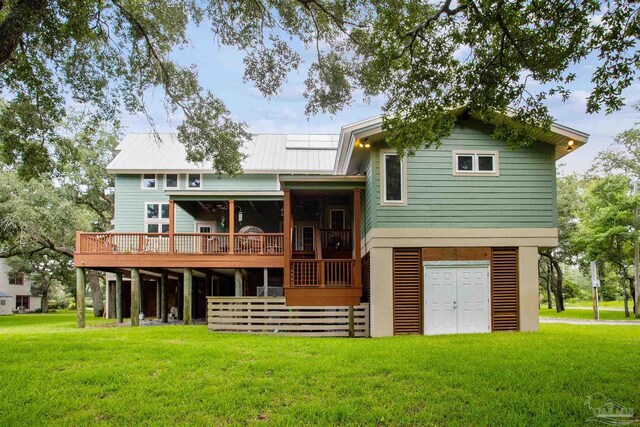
{"x":130,"y":202}
{"x":369,"y":202}
{"x":522,"y":196}
{"x":131,"y":199}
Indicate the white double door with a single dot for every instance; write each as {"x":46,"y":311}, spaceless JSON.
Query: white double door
{"x":456,"y":298}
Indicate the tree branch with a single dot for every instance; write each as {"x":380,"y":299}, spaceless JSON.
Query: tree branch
{"x":21,"y":17}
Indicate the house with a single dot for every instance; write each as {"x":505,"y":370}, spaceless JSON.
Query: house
{"x":445,"y":241}
{"x":15,"y":292}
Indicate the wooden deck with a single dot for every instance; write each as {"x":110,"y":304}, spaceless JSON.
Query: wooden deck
{"x":236,"y":250}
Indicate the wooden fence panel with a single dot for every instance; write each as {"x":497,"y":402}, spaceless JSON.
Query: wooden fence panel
{"x":271,"y":315}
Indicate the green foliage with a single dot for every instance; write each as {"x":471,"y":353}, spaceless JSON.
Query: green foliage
{"x":187,"y":375}
{"x":426,"y":60}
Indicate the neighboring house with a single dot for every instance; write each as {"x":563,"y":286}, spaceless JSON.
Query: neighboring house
{"x":15,"y":292}
{"x":445,"y":241}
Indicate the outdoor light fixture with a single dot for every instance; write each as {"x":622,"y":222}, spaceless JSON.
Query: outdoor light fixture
{"x":366,"y":143}
{"x":240,"y":216}
{"x":570,"y":145}
{"x":222,"y":222}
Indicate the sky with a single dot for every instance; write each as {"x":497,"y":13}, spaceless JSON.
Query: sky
{"x":221,"y":69}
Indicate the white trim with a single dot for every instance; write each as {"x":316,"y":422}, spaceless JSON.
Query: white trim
{"x":177,"y":187}
{"x":201,"y":181}
{"x":142,"y":178}
{"x":155,"y":221}
{"x":203,"y":193}
{"x":212,"y":224}
{"x":453,"y":264}
{"x":383,"y":180}
{"x":475,"y":154}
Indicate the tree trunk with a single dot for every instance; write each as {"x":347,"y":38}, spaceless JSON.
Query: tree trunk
{"x":21,"y":18}
{"x":558,"y":287}
{"x":45,"y":300}
{"x":96,"y":293}
{"x":623,"y":277}
{"x":632,"y":292}
{"x":549,"y":275}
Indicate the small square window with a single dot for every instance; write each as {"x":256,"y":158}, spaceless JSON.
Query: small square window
{"x":3,"y":302}
{"x":152,"y":211}
{"x":485,"y":163}
{"x":148,"y":181}
{"x":465,"y":163}
{"x":152,"y":228}
{"x":194,"y":180}
{"x":165,"y":228}
{"x":171,"y":181}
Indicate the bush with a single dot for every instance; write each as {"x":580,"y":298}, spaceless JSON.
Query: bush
{"x":37,"y":310}
{"x":53,"y":305}
{"x":571,"y":290}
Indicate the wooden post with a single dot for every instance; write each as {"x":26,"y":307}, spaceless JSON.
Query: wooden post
{"x":164,"y":308}
{"x":188,"y":286}
{"x":158,"y":297}
{"x":172,"y":223}
{"x":80,"y":286}
{"x":357,"y":252}
{"x":265,"y":281}
{"x":232,"y":225}
{"x":180,"y":298}
{"x":287,"y":238}
{"x":119,"y":297}
{"x":352,"y":323}
{"x":238,"y":280}
{"x":135,"y":297}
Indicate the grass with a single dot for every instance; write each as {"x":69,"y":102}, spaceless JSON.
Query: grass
{"x":570,"y":313}
{"x":54,"y":374}
{"x":603,"y":304}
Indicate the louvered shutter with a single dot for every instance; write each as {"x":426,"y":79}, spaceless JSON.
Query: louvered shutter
{"x":504,"y":289}
{"x":407,"y":292}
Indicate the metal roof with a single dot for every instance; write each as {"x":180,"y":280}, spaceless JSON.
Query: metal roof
{"x":266,"y":153}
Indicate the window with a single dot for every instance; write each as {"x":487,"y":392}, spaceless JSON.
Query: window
{"x":16,"y":279}
{"x":394,"y":190}
{"x":171,"y":181}
{"x":148,"y":181}
{"x":3,"y":302}
{"x":336,"y":219}
{"x":22,"y":301}
{"x":194,"y":181}
{"x":157,"y":217}
{"x":475,"y":163}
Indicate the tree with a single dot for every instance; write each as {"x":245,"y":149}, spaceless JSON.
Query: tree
{"x":609,"y":226}
{"x":570,"y":204}
{"x":41,"y":215}
{"x":425,"y":59}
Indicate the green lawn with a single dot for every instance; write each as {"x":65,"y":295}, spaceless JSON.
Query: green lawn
{"x":54,"y":374}
{"x":603,"y":304}
{"x":574,"y":313}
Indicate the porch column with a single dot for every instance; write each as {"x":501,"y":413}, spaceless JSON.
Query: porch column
{"x":158,"y":297}
{"x":80,"y":285}
{"x":287,"y":238}
{"x":238,"y":279}
{"x":119,"y":297}
{"x":135,"y":297}
{"x":188,"y":285}
{"x":357,"y":253}
{"x":164,"y":282}
{"x":179,"y":297}
{"x":172,"y":223}
{"x":265,"y":280}
{"x":232,"y":225}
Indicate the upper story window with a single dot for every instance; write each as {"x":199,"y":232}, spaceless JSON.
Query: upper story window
{"x":149,"y":181}
{"x":171,"y":181}
{"x":475,"y":163}
{"x":157,"y":217}
{"x":393,"y":179}
{"x":16,"y":279}
{"x":194,"y":181}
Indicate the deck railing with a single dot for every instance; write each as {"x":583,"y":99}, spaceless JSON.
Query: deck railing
{"x":322,"y":273}
{"x":183,"y":243}
{"x":336,"y":240}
